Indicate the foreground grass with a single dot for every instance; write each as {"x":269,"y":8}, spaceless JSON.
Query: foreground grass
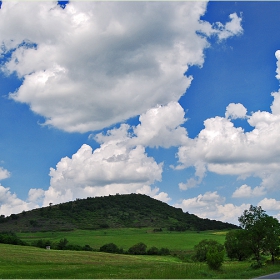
{"x":125,"y":238}
{"x":34,"y":263}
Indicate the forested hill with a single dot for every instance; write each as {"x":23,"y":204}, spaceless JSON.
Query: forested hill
{"x":114,"y":211}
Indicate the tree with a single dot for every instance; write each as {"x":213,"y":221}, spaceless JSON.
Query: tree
{"x":204,"y":246}
{"x":262,"y":232}
{"x":272,"y":241}
{"x":236,"y":244}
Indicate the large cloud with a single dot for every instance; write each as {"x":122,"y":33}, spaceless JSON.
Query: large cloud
{"x":212,"y":206}
{"x":224,"y":149}
{"x":94,"y":64}
{"x":121,"y":164}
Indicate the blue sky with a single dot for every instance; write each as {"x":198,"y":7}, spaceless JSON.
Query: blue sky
{"x":170,"y":99}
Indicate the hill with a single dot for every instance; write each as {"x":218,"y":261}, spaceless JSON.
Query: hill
{"x":113,"y":211}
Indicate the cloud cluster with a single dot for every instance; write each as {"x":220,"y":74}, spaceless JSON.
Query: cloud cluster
{"x":94,"y":64}
{"x":212,"y":206}
{"x":121,"y":164}
{"x":225,"y":149}
{"x":11,"y":204}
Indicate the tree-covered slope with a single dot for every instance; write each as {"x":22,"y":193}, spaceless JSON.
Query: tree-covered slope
{"x":113,"y":211}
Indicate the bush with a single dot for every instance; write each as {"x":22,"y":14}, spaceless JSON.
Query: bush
{"x":138,"y":249}
{"x":41,"y":243}
{"x":11,"y":238}
{"x":153,"y":251}
{"x":62,"y":244}
{"x":110,"y":248}
{"x":203,"y":247}
{"x":164,"y":252}
{"x":215,"y":258}
{"x":87,"y":248}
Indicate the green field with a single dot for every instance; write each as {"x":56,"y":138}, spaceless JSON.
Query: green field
{"x":29,"y":262}
{"x":125,"y":238}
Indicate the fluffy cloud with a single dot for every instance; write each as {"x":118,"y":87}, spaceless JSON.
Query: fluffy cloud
{"x":212,"y":206}
{"x":247,"y":191}
{"x":225,"y":149}
{"x":120,"y":165}
{"x":4,"y":173}
{"x":11,"y":204}
{"x":269,"y":204}
{"x":235,"y":111}
{"x":161,"y":126}
{"x":113,"y":168}
{"x":231,"y":28}
{"x":94,"y":64}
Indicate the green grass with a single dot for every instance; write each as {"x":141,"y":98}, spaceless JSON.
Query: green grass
{"x":125,"y":238}
{"x":34,"y":263}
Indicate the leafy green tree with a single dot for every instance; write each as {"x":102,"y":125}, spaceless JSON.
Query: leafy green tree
{"x":262,"y":232}
{"x":237,"y":245}
{"x":204,"y":246}
{"x":215,"y":257}
{"x":272,"y":241}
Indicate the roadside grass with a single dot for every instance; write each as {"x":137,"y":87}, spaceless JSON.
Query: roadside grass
{"x":34,"y":263}
{"x":125,"y":238}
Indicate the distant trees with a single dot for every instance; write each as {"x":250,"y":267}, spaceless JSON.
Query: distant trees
{"x":137,"y":249}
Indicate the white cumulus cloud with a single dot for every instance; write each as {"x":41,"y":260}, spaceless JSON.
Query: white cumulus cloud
{"x":247,"y":191}
{"x":225,"y":149}
{"x":4,"y":173}
{"x":212,"y":206}
{"x":235,"y":111}
{"x":11,"y":204}
{"x":94,"y":64}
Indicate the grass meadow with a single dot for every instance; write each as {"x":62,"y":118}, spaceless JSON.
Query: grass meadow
{"x":28,"y":262}
{"x":35,"y":263}
{"x":125,"y":238}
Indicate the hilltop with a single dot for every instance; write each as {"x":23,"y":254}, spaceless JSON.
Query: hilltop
{"x":113,"y":211}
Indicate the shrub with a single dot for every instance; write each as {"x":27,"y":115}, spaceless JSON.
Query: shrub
{"x":153,"y":251}
{"x":164,"y":252}
{"x":110,"y":248}
{"x":215,"y":258}
{"x":11,"y":238}
{"x":41,"y":243}
{"x":87,"y":248}
{"x":138,"y":249}
{"x":203,"y":247}
{"x":62,"y":244}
